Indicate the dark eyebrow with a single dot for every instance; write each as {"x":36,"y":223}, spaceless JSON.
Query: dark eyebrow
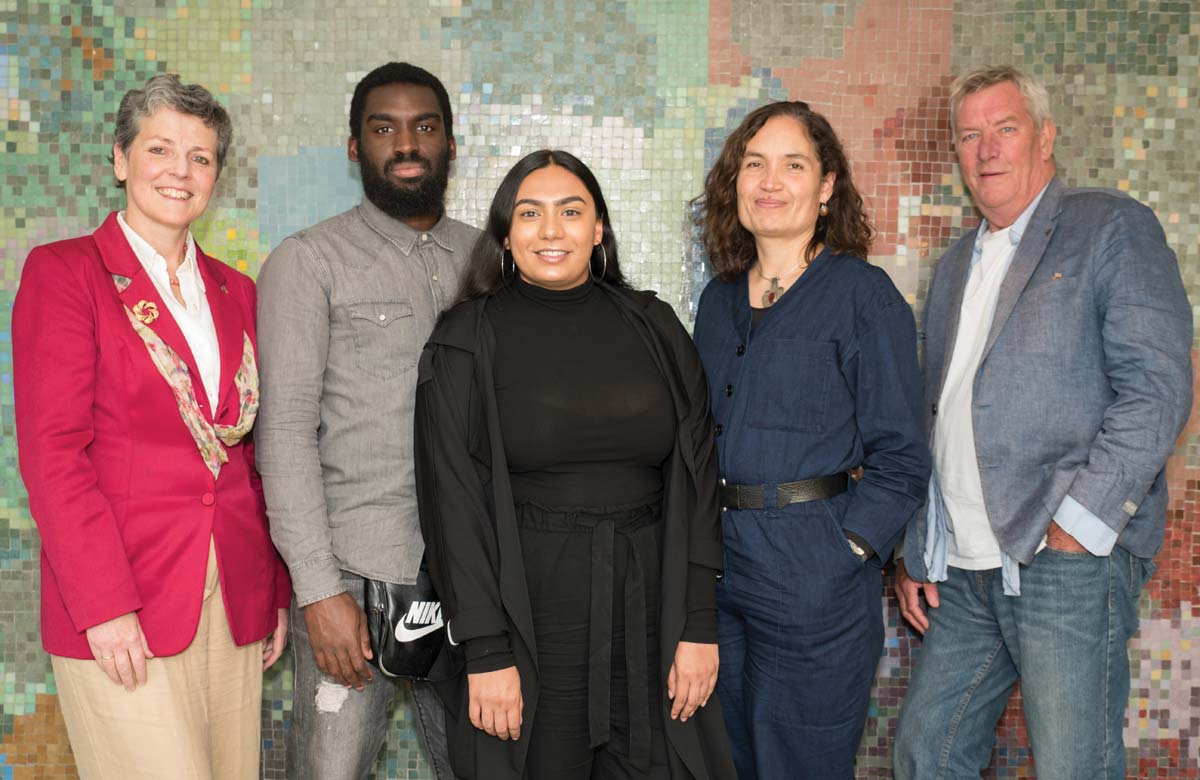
{"x":562,"y":202}
{"x":393,"y":120}
{"x":791,"y":155}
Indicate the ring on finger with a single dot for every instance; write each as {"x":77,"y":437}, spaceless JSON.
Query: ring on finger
{"x":106,"y":658}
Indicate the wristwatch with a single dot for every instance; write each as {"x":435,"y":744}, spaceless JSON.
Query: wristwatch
{"x":858,"y":550}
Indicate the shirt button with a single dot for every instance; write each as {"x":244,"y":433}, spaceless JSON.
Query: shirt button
{"x":741,"y":350}
{"x":728,"y":390}
{"x":435,"y":277}
{"x":208,"y":499}
{"x":424,"y":236}
{"x":933,"y":409}
{"x":719,"y":429}
{"x":382,"y":317}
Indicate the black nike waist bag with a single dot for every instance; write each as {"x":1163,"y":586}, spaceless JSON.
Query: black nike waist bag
{"x":406,"y":627}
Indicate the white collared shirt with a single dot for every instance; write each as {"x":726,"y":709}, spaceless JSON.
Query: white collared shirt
{"x":195,"y":319}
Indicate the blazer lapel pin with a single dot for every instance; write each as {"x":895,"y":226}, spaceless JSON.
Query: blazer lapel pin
{"x":145,"y":311}
{"x":1056,"y":276}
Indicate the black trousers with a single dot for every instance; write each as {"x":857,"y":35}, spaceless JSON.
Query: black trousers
{"x":593,"y":585}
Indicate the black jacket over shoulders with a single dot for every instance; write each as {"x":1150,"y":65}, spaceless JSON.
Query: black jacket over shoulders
{"x":473,"y":548}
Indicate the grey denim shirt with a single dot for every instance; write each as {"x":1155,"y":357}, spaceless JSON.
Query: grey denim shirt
{"x":344,"y":310}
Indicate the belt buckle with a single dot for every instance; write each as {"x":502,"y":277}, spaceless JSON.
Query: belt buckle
{"x":788,"y":496}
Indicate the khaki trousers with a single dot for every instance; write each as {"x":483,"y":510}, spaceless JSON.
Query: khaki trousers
{"x":196,"y":718}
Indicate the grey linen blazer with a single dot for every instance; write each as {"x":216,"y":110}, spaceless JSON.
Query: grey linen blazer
{"x":1086,"y":377}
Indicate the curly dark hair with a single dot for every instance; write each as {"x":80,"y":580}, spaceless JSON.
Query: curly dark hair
{"x":731,"y":249}
{"x":487,"y":269}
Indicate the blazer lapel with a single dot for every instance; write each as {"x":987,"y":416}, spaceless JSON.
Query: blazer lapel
{"x":1029,"y":254}
{"x":141,"y":296}
{"x":945,"y":323}
{"x":227,"y":319}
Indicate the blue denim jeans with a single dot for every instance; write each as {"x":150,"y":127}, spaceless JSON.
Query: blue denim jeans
{"x":336,"y":732}
{"x":801,"y":633}
{"x":1065,"y":637}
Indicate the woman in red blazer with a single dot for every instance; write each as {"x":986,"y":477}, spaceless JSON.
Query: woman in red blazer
{"x":163,"y":599}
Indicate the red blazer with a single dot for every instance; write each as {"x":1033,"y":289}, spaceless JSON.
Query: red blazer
{"x":123,"y":501}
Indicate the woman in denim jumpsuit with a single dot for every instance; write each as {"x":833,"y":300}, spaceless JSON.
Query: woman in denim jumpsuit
{"x":811,"y":358}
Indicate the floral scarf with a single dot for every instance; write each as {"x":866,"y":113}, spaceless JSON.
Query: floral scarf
{"x":208,"y":437}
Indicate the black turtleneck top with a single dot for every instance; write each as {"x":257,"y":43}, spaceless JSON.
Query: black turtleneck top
{"x":587,"y":420}
{"x":587,"y":416}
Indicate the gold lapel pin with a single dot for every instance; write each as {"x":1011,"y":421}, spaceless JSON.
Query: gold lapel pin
{"x":1056,"y":276}
{"x":145,"y":311}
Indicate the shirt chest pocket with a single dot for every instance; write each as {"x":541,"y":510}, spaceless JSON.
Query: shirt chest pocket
{"x":386,"y":342}
{"x":789,"y":384}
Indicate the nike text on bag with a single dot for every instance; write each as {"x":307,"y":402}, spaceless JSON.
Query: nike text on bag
{"x":406,"y":627}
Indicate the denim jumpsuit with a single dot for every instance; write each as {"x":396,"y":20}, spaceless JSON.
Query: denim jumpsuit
{"x":826,"y":381}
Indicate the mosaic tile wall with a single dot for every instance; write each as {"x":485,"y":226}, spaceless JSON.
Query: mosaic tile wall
{"x":645,"y":90}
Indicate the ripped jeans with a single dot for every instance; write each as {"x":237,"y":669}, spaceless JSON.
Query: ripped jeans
{"x":336,"y":732}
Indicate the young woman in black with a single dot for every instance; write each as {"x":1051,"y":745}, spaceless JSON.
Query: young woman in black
{"x":568,"y":490}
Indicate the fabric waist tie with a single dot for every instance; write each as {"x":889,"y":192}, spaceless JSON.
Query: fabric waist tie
{"x":608,"y":530}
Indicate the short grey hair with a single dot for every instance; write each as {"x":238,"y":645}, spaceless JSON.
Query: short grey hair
{"x":168,"y":91}
{"x":1037,"y":99}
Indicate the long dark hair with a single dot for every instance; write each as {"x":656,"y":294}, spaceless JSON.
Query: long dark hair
{"x":488,"y":270}
{"x":731,"y":249}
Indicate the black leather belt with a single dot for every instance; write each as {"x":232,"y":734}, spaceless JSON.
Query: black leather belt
{"x":754,"y":496}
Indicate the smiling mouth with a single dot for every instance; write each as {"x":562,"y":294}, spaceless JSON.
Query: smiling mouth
{"x":767,"y":203}
{"x":173,"y":194}
{"x":552,"y":255}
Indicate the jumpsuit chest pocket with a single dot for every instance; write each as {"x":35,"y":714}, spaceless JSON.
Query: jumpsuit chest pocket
{"x":789,"y":381}
{"x":386,"y":343}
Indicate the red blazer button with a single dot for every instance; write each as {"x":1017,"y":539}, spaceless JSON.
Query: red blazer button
{"x":208,"y":499}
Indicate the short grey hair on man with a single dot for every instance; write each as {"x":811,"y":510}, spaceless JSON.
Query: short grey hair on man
{"x":168,"y":91}
{"x":1037,"y":99}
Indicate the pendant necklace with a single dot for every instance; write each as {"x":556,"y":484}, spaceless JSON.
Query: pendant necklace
{"x":772,"y":294}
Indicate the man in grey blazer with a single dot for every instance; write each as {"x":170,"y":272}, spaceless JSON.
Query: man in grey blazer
{"x":1058,"y":376}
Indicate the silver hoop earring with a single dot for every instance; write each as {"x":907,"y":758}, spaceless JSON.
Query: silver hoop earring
{"x":504,"y":253}
{"x":604,"y":260}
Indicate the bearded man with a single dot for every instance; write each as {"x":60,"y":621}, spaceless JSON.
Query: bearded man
{"x":344,"y":309}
